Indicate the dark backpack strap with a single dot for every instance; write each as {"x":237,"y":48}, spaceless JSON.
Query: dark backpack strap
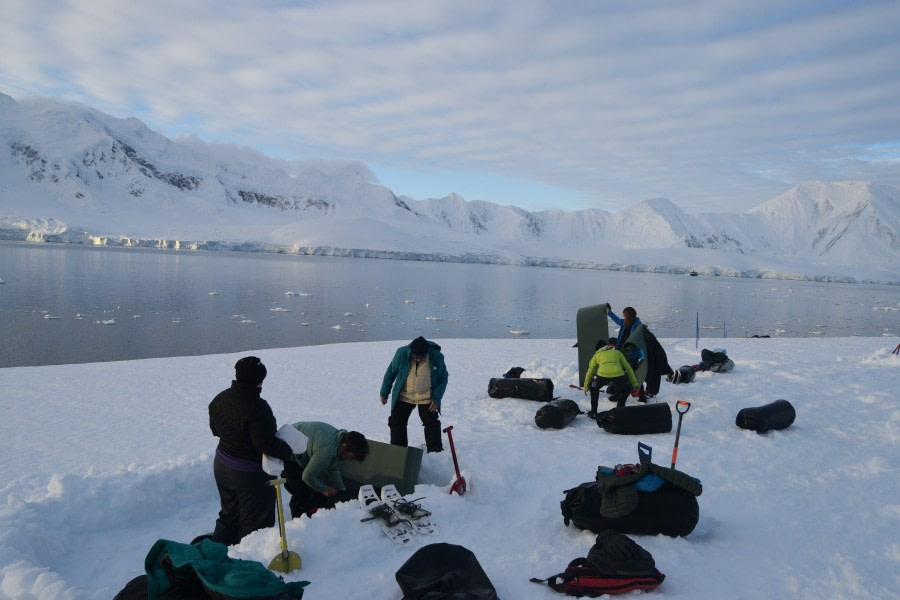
{"x":556,"y":582}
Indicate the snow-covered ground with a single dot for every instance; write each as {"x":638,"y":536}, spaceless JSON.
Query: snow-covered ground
{"x":98,"y":461}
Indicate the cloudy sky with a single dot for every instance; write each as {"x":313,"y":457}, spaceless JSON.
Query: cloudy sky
{"x":718,"y":105}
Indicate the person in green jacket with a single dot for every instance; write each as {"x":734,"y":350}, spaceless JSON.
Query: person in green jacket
{"x":416,"y":378}
{"x":609,"y":366}
{"x":313,"y":477}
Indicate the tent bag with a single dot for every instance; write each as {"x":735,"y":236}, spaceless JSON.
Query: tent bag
{"x":444,"y":572}
{"x":524,"y":388}
{"x":669,"y":510}
{"x":556,"y":414}
{"x":777,"y":415}
{"x":635,"y":420}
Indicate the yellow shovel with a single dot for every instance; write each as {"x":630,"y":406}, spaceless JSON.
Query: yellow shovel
{"x":286,"y":561}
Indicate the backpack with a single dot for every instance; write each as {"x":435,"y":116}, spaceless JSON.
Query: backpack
{"x":615,"y":564}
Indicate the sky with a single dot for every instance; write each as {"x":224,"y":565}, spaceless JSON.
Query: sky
{"x":718,"y":106}
{"x":806,"y":512}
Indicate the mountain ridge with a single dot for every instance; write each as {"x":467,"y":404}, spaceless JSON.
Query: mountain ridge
{"x":72,"y":174}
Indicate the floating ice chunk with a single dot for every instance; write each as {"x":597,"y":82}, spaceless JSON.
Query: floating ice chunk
{"x":48,"y":316}
{"x":434,"y":319}
{"x":304,"y":324}
{"x":348,"y":314}
{"x":107,"y":322}
{"x":248,"y":321}
{"x":519,"y":332}
{"x":79,"y":316}
{"x":409,"y":302}
{"x":336,"y":327}
{"x":213,"y":293}
{"x":279,"y":309}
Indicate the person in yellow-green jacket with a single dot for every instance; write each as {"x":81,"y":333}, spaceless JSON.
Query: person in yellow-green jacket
{"x":609,"y":367}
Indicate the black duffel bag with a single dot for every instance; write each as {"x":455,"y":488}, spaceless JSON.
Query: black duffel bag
{"x":776,"y":415}
{"x":556,"y":414}
{"x":670,"y":510}
{"x":524,"y":388}
{"x":637,"y":420}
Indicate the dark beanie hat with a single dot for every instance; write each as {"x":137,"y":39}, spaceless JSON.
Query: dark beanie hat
{"x":250,"y":370}
{"x":419,"y":346}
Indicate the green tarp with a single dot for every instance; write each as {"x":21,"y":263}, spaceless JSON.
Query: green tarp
{"x":386,"y":464}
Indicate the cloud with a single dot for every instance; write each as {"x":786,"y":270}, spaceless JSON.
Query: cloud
{"x":716,"y":105}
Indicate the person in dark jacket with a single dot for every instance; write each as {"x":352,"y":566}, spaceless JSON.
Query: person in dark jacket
{"x":246,"y":428}
{"x":418,"y":377}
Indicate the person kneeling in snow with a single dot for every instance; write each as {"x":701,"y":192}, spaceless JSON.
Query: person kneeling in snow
{"x":313,"y":477}
{"x":609,"y":366}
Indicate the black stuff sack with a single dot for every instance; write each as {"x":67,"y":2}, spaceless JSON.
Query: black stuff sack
{"x":776,"y":415}
{"x":637,"y":420}
{"x":524,"y":388}
{"x":556,"y":414}
{"x":444,"y":572}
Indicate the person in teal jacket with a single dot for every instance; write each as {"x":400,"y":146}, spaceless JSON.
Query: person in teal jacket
{"x":416,"y":378}
{"x":609,"y":366}
{"x":313,"y":477}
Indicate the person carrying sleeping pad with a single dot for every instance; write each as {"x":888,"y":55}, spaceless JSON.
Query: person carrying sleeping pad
{"x":609,"y":367}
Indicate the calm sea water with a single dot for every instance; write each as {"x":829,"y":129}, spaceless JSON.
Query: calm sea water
{"x":73,"y":304}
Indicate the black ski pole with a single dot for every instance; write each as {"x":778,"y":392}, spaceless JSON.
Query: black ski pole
{"x":687,"y":407}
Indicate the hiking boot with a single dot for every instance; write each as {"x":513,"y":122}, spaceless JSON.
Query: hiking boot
{"x":592,"y":414}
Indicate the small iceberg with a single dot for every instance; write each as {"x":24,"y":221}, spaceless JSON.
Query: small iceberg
{"x":107,"y":322}
{"x":519,"y":332}
{"x":51,"y":317}
{"x":213,"y":293}
{"x":336,"y":327}
{"x":279,"y":309}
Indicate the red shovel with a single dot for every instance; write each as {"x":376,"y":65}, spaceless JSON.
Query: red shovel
{"x":458,"y":486}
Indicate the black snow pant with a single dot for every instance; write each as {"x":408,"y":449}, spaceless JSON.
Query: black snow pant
{"x":399,"y":419}
{"x":248,"y":503}
{"x":619,"y":388}
{"x":304,"y":499}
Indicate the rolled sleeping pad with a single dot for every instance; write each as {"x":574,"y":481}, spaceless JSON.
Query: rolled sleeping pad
{"x":635,"y":420}
{"x":556,"y":414}
{"x":776,"y":415}
{"x":524,"y":388}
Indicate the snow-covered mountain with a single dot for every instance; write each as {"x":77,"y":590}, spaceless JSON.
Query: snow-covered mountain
{"x":72,"y":174}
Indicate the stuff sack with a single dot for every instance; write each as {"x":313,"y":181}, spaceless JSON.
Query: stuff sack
{"x":716,"y":360}
{"x":635,"y":420}
{"x":524,"y":388}
{"x":670,"y":510}
{"x":556,"y":414}
{"x":443,"y":572}
{"x":582,"y":579}
{"x":776,"y":415}
{"x":683,"y":374}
